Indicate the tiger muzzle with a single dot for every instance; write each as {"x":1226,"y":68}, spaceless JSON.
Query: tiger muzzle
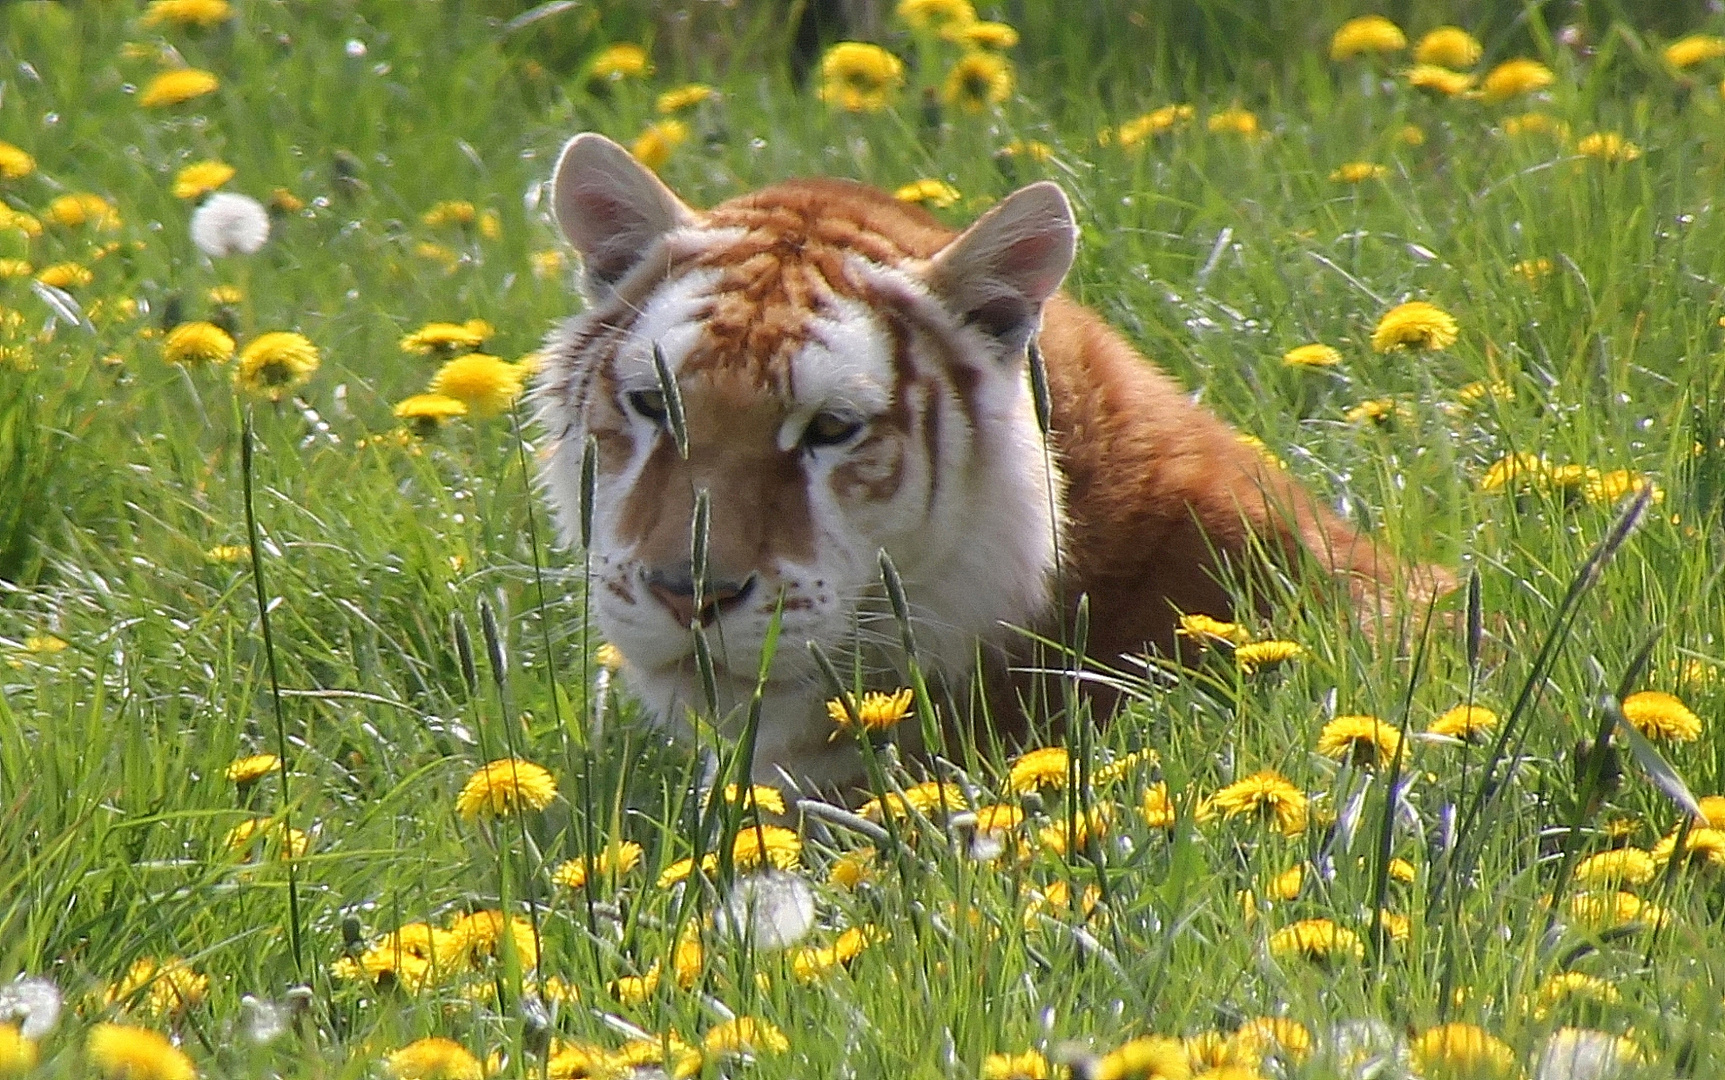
{"x":674,"y":587}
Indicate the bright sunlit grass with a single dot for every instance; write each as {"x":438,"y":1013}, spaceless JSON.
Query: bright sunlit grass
{"x":1478,"y":305}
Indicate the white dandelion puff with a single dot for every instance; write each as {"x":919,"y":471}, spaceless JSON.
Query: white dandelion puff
{"x":773,"y":910}
{"x":228,"y":223}
{"x":33,"y":1004}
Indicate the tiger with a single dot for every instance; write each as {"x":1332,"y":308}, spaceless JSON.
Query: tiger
{"x":841,"y":380}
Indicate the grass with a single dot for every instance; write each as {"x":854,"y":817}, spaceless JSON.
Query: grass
{"x":133,"y":667}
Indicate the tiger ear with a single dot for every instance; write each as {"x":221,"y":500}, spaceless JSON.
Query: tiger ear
{"x":997,"y":273}
{"x":611,"y":207}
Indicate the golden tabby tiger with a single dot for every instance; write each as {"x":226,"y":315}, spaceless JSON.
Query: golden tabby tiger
{"x":853,"y":378}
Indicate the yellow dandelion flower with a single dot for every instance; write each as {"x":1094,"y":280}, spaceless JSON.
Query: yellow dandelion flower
{"x":1155,"y":122}
{"x":1150,"y":1057}
{"x":1317,"y":940}
{"x":1262,"y":1035}
{"x":859,"y":77}
{"x":15,"y":164}
{"x":1659,"y":715}
{"x":1358,"y":172}
{"x":276,"y":362}
{"x":1377,"y":411}
{"x":434,"y":1059}
{"x":1513,"y":78}
{"x":1609,"y":910}
{"x":1694,"y":49}
{"x":1258,"y":655}
{"x":450,"y":212}
{"x":1366,"y":34}
{"x":1057,"y":900}
{"x":284,"y":201}
{"x":852,"y":869}
{"x":44,"y":643}
{"x":486,"y":384}
{"x":1514,"y":472}
{"x":1402,"y":871}
{"x":936,"y":193}
{"x":66,"y":275}
{"x":199,"y":14}
{"x":978,"y":80}
{"x":877,"y":711}
{"x":615,"y":861}
{"x":479,"y":935}
{"x":1030,"y":1065}
{"x":1566,"y":986}
{"x":609,"y":657}
{"x":226,"y":295}
{"x":1360,"y":740}
{"x":689,"y":958}
{"x":507,"y":785}
{"x":1616,"y":869}
{"x":1462,"y":1050}
{"x":756,"y":796}
{"x":1411,"y":135}
{"x":1043,"y":767}
{"x":682,"y":868}
{"x":745,"y":1035}
{"x":229,"y":553}
{"x":1535,"y":123}
{"x":1123,"y":766}
{"x":998,"y":818}
{"x":17,"y":1053}
{"x":929,"y":797}
{"x":252,"y":768}
{"x":1415,"y":324}
{"x":1608,"y":489}
{"x":1265,"y":796}
{"x":27,"y":224}
{"x":1287,"y":884}
{"x":1713,"y":810}
{"x":178,"y":87}
{"x":766,"y":845}
{"x":1439,"y":80}
{"x":161,"y":987}
{"x":684,"y":97}
{"x":548,"y":263}
{"x":15,"y":268}
{"x":1236,"y":121}
{"x":447,"y":338}
{"x":1530,"y":271}
{"x":935,"y":16}
{"x":1705,"y":845}
{"x":1468,"y":722}
{"x":653,"y":147}
{"x":1607,"y":146}
{"x":988,"y":36}
{"x":811,"y":962}
{"x":1077,"y":831}
{"x":200,"y":178}
{"x":614,"y":63}
{"x":1315,"y":355}
{"x":120,"y":1052}
{"x":197,"y":343}
{"x":1448,"y":46}
{"x":285,"y":842}
{"x":425,"y":413}
{"x":81,"y":209}
{"x":1156,"y":808}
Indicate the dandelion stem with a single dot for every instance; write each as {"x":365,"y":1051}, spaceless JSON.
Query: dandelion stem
{"x":247,"y":463}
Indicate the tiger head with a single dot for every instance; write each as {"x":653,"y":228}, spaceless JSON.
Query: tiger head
{"x":846,"y":378}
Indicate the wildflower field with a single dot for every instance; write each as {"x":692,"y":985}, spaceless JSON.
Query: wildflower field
{"x":311,"y":763}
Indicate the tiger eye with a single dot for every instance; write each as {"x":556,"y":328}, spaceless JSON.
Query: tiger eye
{"x":649,"y":404}
{"x":830,"y":429}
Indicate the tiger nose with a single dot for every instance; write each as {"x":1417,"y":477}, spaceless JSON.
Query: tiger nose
{"x":675,"y":589}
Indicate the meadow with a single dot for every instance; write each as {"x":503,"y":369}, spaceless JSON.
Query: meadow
{"x":267,"y":612}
